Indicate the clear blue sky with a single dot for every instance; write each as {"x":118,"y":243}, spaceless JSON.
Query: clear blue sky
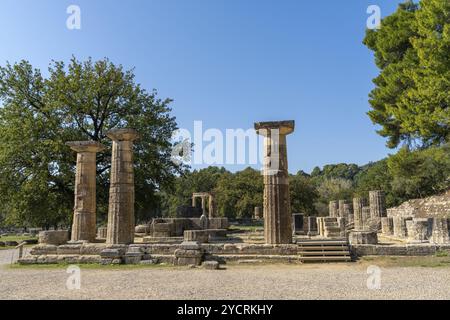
{"x":226,"y":62}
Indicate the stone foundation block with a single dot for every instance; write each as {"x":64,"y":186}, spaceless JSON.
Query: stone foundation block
{"x":111,"y":254}
{"x":69,"y":249}
{"x":43,"y":250}
{"x":92,"y":248}
{"x":55,"y":237}
{"x":133,"y":258}
{"x":200,"y":236}
{"x":387,"y":226}
{"x":27,"y":260}
{"x":363,"y":237}
{"x":90,"y":259}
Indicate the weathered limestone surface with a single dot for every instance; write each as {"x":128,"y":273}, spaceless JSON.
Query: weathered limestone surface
{"x":54,"y":237}
{"x":333,"y":209}
{"x":363,"y":237}
{"x":348,"y":212}
{"x":365,"y":217}
{"x":358,"y":205}
{"x":84,"y":217}
{"x":277,"y":211}
{"x":121,"y":192}
{"x":418,"y":229}
{"x":189,"y":253}
{"x":397,"y":250}
{"x":201,"y":236}
{"x":440,"y":231}
{"x":387,"y":226}
{"x":434,"y":206}
{"x":377,"y":204}
{"x":312,"y":225}
{"x":341,"y":212}
{"x":400,"y":230}
{"x":101,"y":232}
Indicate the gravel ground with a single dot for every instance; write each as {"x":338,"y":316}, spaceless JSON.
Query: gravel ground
{"x":324,"y":281}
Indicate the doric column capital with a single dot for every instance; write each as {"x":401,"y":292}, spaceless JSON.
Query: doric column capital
{"x":123,"y":134}
{"x":283,"y":127}
{"x":86,"y":146}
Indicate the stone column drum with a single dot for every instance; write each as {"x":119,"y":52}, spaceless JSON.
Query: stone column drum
{"x":277,"y":211}
{"x":84,"y":216}
{"x":377,"y":204}
{"x":121,"y":191}
{"x":365,"y":217}
{"x":358,"y":204}
{"x":341,"y":204}
{"x":333,"y":209}
{"x":348,"y":212}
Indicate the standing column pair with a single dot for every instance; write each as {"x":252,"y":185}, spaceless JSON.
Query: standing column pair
{"x":121,"y":194}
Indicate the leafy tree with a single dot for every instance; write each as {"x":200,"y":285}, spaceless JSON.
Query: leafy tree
{"x":420,"y":173}
{"x":411,"y":97}
{"x":238,"y":194}
{"x":204,"y":180}
{"x":303,"y":194}
{"x":80,"y":101}
{"x":376,"y":176}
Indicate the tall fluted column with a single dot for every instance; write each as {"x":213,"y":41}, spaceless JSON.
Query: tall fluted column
{"x":121,"y":191}
{"x":377,"y":204}
{"x":358,"y":205}
{"x":84,"y":216}
{"x":277,"y":211}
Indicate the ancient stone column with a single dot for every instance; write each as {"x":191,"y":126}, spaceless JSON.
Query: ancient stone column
{"x":193,"y":200}
{"x":84,"y":216}
{"x":212,"y":206}
{"x":277,"y":211}
{"x":333,"y":208}
{"x":377,"y":204}
{"x":387,"y":226}
{"x":121,"y":191}
{"x":358,"y":204}
{"x":203,"y":205}
{"x":341,"y":212}
{"x":347,"y":212}
{"x":365,"y":217}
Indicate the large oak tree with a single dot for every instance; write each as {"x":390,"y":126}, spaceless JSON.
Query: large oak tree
{"x":78,"y":101}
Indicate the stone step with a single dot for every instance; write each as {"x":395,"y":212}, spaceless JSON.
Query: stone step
{"x":327,"y":259}
{"x":325,"y":253}
{"x":322,"y":242}
{"x":328,"y":248}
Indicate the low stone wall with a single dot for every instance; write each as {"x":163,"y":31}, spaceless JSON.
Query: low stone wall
{"x":188,"y":252}
{"x":397,"y":250}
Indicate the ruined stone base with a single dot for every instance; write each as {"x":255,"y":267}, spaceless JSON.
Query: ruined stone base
{"x":362,"y":237}
{"x":186,"y":253}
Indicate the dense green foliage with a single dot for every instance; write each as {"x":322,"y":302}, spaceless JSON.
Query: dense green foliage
{"x":80,"y":101}
{"x":411,"y":100}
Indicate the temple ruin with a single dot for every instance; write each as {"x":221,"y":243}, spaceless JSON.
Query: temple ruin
{"x":196,"y":234}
